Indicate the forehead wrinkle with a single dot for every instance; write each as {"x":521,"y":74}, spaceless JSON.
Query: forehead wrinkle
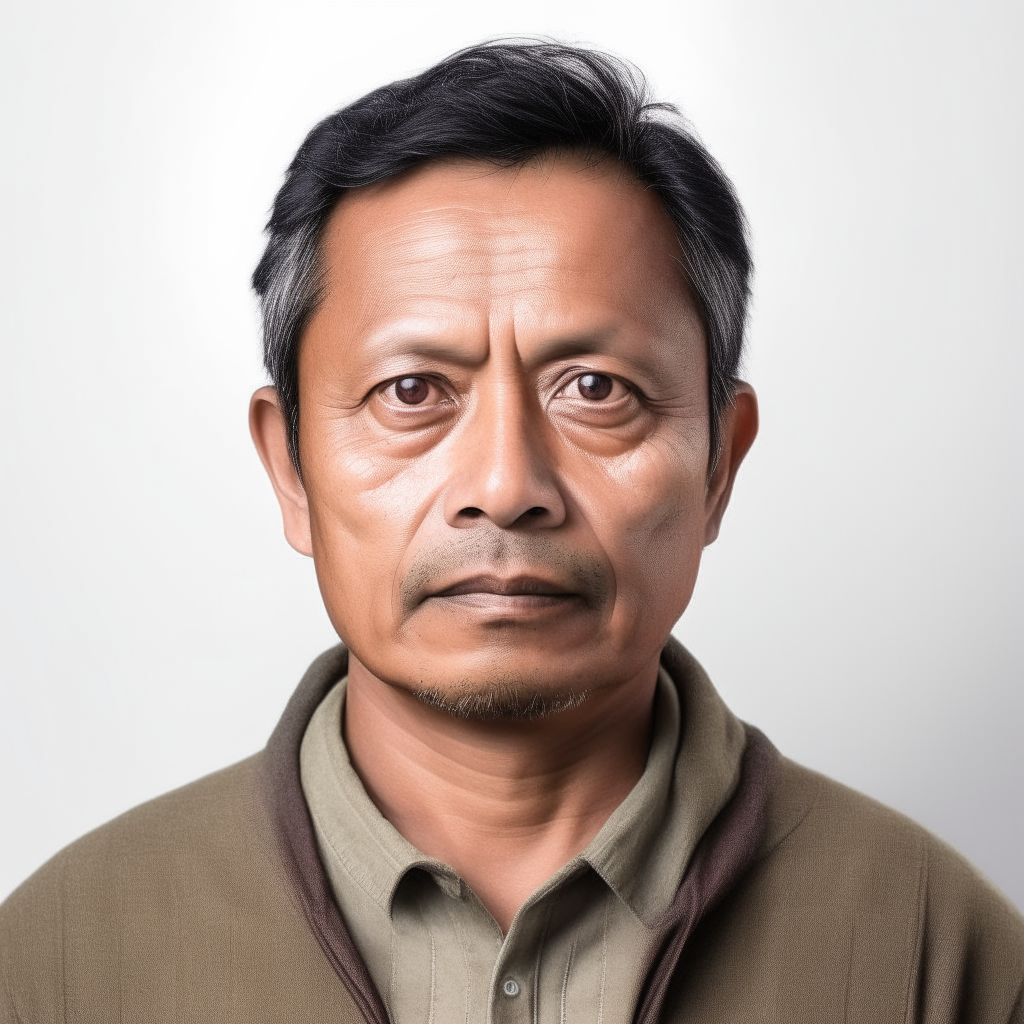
{"x":480,"y":252}
{"x":485,"y":227}
{"x":463,"y":283}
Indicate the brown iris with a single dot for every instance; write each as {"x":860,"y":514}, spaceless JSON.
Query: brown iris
{"x":594,"y":385}
{"x":411,"y":390}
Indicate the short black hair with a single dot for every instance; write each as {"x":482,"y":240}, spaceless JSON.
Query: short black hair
{"x":507,"y":102}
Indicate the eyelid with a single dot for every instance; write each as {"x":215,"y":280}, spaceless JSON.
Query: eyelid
{"x":574,"y":373}
{"x":385,"y":385}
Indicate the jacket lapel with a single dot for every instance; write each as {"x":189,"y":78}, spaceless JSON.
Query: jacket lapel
{"x":722,"y":858}
{"x":297,"y":838}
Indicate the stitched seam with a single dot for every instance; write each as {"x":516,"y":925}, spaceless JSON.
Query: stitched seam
{"x":64,"y":952}
{"x":393,"y":946}
{"x":1017,"y":1010}
{"x":433,"y":978}
{"x":917,"y":941}
{"x":568,"y":971}
{"x":465,"y":956}
{"x":849,"y":972}
{"x":768,"y":850}
{"x":10,"y":998}
{"x":604,"y":957}
{"x":350,"y":870}
{"x":536,"y":965}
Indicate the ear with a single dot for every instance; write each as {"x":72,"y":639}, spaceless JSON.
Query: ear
{"x":269,"y":429}
{"x":738,"y":428}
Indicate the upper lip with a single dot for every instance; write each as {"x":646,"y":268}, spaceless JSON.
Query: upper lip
{"x":486,"y":583}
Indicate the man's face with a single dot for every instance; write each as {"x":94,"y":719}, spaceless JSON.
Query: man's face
{"x":504,"y":431}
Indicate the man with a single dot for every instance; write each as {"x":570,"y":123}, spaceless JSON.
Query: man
{"x":503,"y":307}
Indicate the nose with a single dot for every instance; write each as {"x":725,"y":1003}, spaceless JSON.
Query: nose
{"x":502,"y":466}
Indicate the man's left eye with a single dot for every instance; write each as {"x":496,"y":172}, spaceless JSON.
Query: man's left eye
{"x":594,"y":386}
{"x":411,"y":390}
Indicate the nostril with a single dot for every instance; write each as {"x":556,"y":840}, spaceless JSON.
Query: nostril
{"x":472,"y":512}
{"x":537,"y":510}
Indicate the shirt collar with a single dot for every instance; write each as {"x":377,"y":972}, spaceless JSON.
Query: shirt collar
{"x":371,"y":850}
{"x":643,"y":849}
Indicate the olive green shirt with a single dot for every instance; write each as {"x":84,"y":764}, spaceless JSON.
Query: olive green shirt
{"x":579,"y":948}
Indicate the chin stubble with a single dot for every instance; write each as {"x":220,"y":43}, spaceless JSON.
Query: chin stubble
{"x":505,"y":700}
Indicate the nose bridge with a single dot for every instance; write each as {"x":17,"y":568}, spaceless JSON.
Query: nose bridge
{"x":504,"y":468}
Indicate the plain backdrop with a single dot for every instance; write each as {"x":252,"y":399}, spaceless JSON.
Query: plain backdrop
{"x":863,"y":604}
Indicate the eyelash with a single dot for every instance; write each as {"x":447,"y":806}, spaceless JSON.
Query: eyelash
{"x":581,"y":371}
{"x":389,"y":386}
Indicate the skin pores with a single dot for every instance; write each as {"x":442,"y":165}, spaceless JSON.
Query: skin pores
{"x":504,"y":433}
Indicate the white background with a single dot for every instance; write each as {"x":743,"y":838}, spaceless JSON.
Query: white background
{"x":863,"y":604}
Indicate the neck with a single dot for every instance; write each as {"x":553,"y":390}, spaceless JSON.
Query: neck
{"x":505,"y":803}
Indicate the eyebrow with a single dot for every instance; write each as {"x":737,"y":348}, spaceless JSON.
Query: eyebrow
{"x":401,"y":339}
{"x":581,"y":343}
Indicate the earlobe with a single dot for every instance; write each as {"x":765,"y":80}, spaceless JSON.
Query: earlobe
{"x":269,"y":430}
{"x":738,"y":428}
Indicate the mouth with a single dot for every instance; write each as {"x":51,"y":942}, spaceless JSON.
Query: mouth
{"x":510,"y":594}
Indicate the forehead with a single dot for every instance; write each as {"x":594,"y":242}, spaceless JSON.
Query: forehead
{"x":558,"y":243}
{"x":461,"y":227}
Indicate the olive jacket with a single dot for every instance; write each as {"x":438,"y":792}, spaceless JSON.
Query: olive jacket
{"x":803,"y":902}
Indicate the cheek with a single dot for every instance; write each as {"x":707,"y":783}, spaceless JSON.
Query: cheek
{"x":648,"y":513}
{"x":361,"y":483}
{"x":365,"y":508}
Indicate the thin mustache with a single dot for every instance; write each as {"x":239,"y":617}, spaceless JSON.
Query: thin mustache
{"x":525,"y":560}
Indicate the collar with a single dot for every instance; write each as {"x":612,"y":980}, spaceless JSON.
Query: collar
{"x":699,"y":744}
{"x":375,"y":855}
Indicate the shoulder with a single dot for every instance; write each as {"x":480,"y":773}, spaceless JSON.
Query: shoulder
{"x":174,"y":834}
{"x":917,"y":919}
{"x":852,"y":911}
{"x":869,"y":853}
{"x":178,"y":909}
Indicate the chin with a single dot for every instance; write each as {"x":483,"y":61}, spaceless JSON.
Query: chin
{"x":512,"y":678}
{"x":504,"y":699}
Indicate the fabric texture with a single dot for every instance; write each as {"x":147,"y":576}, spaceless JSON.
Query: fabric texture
{"x":803,"y":901}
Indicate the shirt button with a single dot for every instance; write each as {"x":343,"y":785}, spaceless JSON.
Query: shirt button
{"x":511,"y":987}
